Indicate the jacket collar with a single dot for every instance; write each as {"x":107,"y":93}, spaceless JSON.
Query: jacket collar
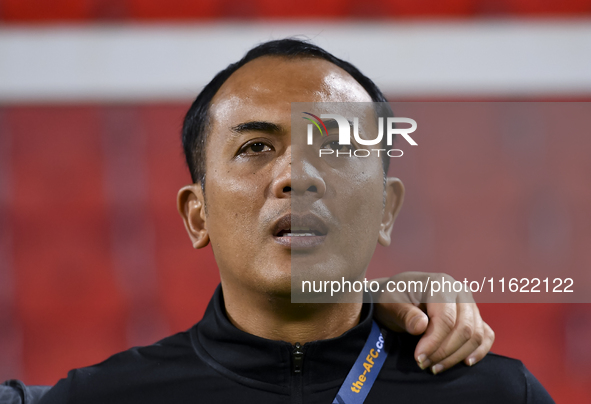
{"x":267,"y":364}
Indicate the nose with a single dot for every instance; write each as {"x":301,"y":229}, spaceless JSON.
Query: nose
{"x":299,"y":176}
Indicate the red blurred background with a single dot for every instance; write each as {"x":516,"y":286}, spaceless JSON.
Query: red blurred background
{"x":94,"y":258}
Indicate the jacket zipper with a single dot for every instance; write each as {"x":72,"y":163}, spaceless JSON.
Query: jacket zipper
{"x":297,"y":362}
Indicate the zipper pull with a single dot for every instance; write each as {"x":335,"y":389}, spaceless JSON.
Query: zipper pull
{"x":297,"y":358}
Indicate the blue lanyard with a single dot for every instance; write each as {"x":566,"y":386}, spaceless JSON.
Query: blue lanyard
{"x":365,"y":371}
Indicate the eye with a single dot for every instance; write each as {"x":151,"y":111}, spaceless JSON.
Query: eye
{"x":336,"y":146}
{"x":255,"y":148}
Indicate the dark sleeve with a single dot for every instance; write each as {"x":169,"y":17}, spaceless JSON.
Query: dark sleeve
{"x":536,"y":393}
{"x":60,"y":393}
{"x":15,"y":392}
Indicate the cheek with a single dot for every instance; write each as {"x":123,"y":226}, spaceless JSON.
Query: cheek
{"x":363,"y":190}
{"x":367,"y":212}
{"x":362,"y":210}
{"x":233,"y":205}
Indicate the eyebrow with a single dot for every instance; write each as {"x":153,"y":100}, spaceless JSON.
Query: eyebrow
{"x":257,"y":126}
{"x":332,"y":124}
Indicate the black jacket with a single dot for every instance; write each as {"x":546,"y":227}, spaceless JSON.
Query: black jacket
{"x":214,"y":362}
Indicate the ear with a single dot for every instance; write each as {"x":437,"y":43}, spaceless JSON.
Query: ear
{"x":394,"y":197}
{"x":191,"y":206}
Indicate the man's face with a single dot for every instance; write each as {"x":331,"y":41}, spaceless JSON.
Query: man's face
{"x":261,"y":187}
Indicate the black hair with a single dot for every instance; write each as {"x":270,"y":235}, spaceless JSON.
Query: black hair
{"x":194,"y":132}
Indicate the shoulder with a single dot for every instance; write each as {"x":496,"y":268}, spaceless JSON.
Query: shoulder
{"x":494,"y":379}
{"x":509,"y":378}
{"x":127,"y":372}
{"x":169,"y":350}
{"x":15,"y":392}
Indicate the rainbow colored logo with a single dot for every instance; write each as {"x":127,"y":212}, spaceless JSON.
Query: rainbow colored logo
{"x":316,"y":123}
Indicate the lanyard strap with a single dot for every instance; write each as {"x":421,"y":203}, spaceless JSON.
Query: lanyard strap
{"x":365,"y":371}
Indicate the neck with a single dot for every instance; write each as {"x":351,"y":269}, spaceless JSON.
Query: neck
{"x":274,"y":317}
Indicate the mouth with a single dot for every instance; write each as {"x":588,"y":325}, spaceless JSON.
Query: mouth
{"x":300,"y":231}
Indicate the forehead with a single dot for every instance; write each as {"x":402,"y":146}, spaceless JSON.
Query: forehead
{"x":270,"y":84}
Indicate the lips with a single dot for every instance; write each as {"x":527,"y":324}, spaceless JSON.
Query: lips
{"x":300,"y":231}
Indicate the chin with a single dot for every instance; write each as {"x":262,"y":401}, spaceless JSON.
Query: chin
{"x":332,"y":269}
{"x":274,"y":283}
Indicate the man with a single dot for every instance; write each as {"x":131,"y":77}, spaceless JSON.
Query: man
{"x":254,"y":344}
